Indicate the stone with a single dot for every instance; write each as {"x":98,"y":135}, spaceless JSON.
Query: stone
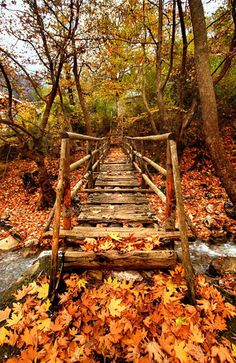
{"x":222,"y":266}
{"x":208,"y":221}
{"x":31,"y":242}
{"x":209,"y":208}
{"x":8,"y":243}
{"x":131,"y":275}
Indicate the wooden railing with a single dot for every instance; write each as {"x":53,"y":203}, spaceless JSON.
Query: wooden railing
{"x":173,"y":197}
{"x":135,"y":148}
{"x":96,"y":148}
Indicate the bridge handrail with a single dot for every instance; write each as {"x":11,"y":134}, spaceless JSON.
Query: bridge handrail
{"x":173,"y":198}
{"x":64,"y":194}
{"x":75,"y":136}
{"x":160,"y":137}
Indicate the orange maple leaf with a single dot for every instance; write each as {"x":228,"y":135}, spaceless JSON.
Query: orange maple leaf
{"x":30,"y":337}
{"x":4,"y":314}
{"x":223,"y":353}
{"x":155,"y":352}
{"x":181,"y":351}
{"x":196,"y":334}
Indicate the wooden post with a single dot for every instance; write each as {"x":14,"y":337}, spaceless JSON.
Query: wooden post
{"x":90,"y":168}
{"x":170,"y":192}
{"x":56,"y":224}
{"x":66,"y":207}
{"x":189,"y":273}
{"x":98,"y":156}
{"x":143,"y":185}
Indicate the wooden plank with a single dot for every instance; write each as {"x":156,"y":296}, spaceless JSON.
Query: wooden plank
{"x":117,"y":162}
{"x":100,"y":232}
{"x":122,"y":167}
{"x":115,"y":173}
{"x":114,"y":209}
{"x":114,"y":183}
{"x":117,"y":189}
{"x":116,"y":260}
{"x":117,"y":198}
{"x":114,"y":177}
{"x":117,"y":218}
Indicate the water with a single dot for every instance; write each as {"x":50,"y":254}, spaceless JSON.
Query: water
{"x":13,"y":263}
{"x":202,"y":253}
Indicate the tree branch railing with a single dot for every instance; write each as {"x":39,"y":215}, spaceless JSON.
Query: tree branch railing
{"x":172,"y":198}
{"x":64,"y":194}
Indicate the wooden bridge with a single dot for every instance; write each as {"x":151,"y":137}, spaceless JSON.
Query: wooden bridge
{"x":117,"y":180}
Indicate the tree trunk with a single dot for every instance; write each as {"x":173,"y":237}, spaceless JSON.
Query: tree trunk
{"x":160,"y":100}
{"x":81,"y":95}
{"x":144,"y":96}
{"x":48,"y":193}
{"x":223,"y":166}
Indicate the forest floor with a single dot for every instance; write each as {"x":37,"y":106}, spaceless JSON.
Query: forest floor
{"x":203,"y":194}
{"x":101,"y":317}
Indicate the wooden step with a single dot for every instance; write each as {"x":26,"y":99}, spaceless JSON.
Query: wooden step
{"x":117,"y":189}
{"x":116,"y":183}
{"x":117,"y":260}
{"x":123,"y":232}
{"x":120,"y":167}
{"x":113,"y":209}
{"x":118,"y":218}
{"x":117,"y":198}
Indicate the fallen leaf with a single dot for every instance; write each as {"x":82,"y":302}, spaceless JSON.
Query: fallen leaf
{"x":43,"y":291}
{"x":181,"y":351}
{"x":115,"y":308}
{"x":14,"y":320}
{"x":115,"y":236}
{"x":4,"y":314}
{"x":3,"y":334}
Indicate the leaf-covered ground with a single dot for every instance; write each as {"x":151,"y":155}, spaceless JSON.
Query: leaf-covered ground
{"x":20,"y":207}
{"x":203,"y":193}
{"x":109,"y":319}
{"x":100,"y":318}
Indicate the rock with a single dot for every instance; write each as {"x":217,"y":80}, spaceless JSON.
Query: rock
{"x":230,"y":210}
{"x":31,"y":242}
{"x":8,"y":243}
{"x":222,"y":266}
{"x":127,"y":275}
{"x":208,"y":221}
{"x":209,"y":208}
{"x":32,"y":269}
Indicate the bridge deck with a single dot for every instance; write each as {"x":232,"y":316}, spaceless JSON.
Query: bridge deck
{"x":114,"y":210}
{"x":116,"y":173}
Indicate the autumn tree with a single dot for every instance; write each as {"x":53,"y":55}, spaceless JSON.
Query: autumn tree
{"x":47,"y":28}
{"x":224,"y":168}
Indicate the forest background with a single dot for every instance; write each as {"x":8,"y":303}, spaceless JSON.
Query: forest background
{"x":88,"y":66}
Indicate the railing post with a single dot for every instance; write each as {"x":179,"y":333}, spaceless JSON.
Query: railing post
{"x":170,"y":192}
{"x":143,"y":184}
{"x":66,"y":207}
{"x":90,"y":168}
{"x":189,"y":273}
{"x":57,"y":215}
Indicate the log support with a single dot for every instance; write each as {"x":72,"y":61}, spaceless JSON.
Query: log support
{"x":189,"y":273}
{"x":116,"y":260}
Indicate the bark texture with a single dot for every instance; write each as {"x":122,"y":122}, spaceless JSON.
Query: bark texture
{"x":223,"y":166}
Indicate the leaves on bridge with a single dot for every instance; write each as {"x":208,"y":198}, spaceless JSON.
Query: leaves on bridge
{"x":124,"y":321}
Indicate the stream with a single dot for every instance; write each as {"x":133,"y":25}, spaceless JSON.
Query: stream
{"x":13,"y":263}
